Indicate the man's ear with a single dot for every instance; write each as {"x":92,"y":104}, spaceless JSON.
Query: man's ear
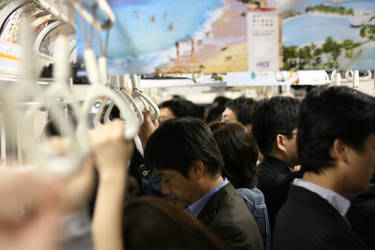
{"x":248,"y":127}
{"x":280,"y":142}
{"x":197,"y":170}
{"x":339,"y":151}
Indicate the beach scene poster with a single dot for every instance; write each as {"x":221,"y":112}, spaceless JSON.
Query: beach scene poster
{"x":172,"y":36}
{"x":330,"y":34}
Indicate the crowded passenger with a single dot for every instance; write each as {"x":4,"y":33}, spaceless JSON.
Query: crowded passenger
{"x":184,"y":154}
{"x":154,"y":223}
{"x":239,"y":110}
{"x":275,"y":131}
{"x":215,"y":109}
{"x":336,"y":141}
{"x":240,"y":154}
{"x":178,"y":108}
{"x":361,"y":214}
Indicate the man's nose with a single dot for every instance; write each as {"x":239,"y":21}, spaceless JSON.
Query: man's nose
{"x":165,"y":190}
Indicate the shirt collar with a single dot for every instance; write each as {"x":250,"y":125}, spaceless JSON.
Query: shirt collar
{"x":196,"y":207}
{"x":275,"y":163}
{"x":339,"y":202}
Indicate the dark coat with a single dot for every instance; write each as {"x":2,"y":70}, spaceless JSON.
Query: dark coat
{"x":274,"y":178}
{"x":228,"y":216}
{"x":362,"y":216}
{"x":307,"y":221}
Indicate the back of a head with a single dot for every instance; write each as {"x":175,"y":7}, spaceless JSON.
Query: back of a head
{"x":277,"y":115}
{"x":328,"y":114}
{"x":178,"y":143}
{"x":179,"y":107}
{"x":239,"y":151}
{"x":153,"y":223}
{"x":214,"y":111}
{"x":243,"y":108}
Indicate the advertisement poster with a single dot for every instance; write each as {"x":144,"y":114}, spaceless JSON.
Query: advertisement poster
{"x":173,"y":36}
{"x":336,"y":34}
{"x":263,"y":39}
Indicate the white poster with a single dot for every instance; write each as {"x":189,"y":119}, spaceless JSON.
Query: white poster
{"x":263,"y":40}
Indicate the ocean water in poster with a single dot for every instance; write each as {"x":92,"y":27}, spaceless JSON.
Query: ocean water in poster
{"x":172,"y":36}
{"x":337,"y":34}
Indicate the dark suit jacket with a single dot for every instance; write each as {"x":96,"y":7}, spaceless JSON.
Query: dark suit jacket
{"x":307,"y":221}
{"x":228,"y":216}
{"x":362,"y":216}
{"x":274,"y":178}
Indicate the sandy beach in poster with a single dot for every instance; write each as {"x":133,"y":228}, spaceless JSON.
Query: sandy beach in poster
{"x":223,"y":49}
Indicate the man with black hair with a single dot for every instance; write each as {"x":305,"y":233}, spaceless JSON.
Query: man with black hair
{"x":336,"y":147}
{"x":183,"y":152}
{"x":361,"y":214}
{"x":274,"y":129}
{"x":239,"y":110}
{"x":176,"y":108}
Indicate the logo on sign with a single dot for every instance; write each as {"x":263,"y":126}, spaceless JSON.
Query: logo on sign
{"x":263,"y":64}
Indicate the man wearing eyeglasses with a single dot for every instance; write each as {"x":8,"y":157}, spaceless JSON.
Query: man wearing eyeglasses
{"x":275,"y":130}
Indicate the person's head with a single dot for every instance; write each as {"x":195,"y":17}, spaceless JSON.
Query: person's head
{"x":216,"y":109}
{"x":183,"y":152}
{"x":336,"y":132}
{"x":275,"y":127}
{"x":239,"y":151}
{"x":175,"y":108}
{"x":153,"y":223}
{"x":239,"y":110}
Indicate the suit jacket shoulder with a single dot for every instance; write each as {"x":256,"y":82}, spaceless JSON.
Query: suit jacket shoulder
{"x":228,"y":216}
{"x":307,"y":221}
{"x":274,"y":178}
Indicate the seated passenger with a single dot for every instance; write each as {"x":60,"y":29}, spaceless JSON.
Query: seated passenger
{"x":240,"y":152}
{"x":185,"y":155}
{"x":336,"y":141}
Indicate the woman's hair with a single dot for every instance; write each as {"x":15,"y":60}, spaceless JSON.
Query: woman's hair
{"x":157,"y":224}
{"x":240,"y":153}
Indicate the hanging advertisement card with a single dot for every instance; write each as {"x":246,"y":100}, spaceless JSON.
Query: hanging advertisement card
{"x":263,"y":39}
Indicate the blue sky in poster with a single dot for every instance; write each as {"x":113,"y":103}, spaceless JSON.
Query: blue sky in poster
{"x":146,"y":31}
{"x":149,"y":26}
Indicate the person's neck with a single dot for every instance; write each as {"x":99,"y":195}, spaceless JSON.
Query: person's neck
{"x":282,"y":158}
{"x":210,"y":183}
{"x":327,"y":179}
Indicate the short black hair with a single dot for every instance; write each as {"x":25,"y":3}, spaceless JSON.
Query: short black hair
{"x":240,"y":153}
{"x":242,"y":108}
{"x":330,"y":113}
{"x":180,"y":108}
{"x":277,"y":115}
{"x":178,"y":143}
{"x":215,"y":110}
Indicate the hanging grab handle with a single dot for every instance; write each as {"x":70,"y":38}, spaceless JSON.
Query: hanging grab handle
{"x":104,"y":6}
